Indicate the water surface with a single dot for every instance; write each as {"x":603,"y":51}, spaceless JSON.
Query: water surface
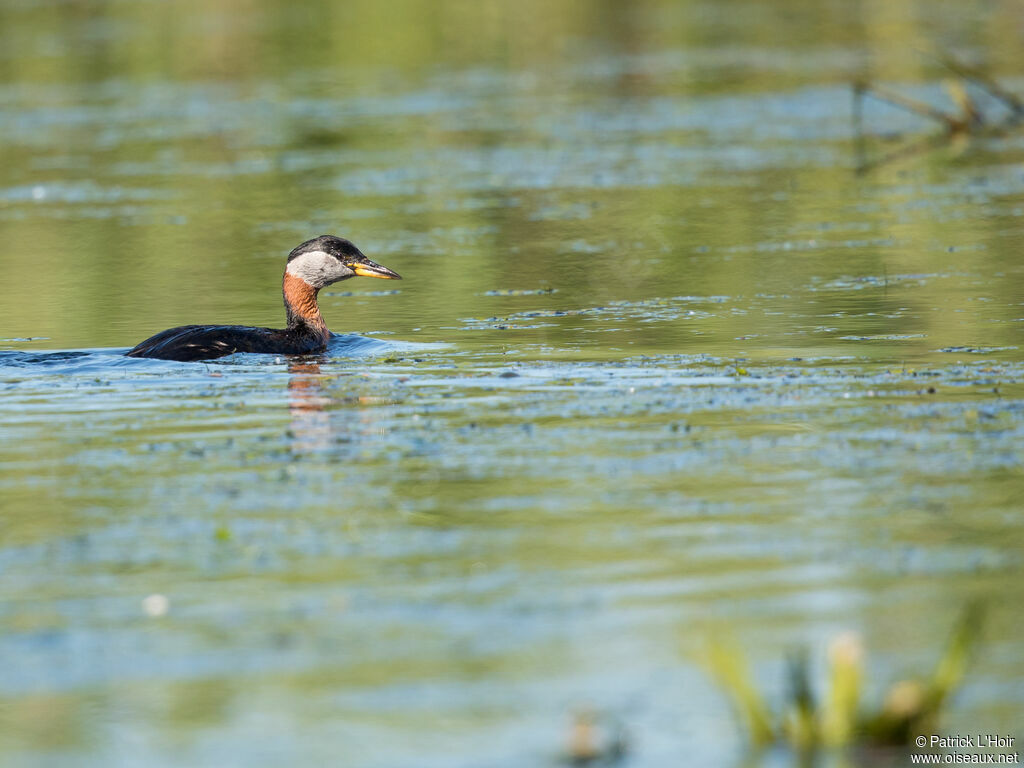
{"x":662,"y":364}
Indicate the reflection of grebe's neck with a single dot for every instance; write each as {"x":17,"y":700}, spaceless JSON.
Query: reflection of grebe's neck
{"x":300,"y":305}
{"x":304,"y":390}
{"x":305,"y":366}
{"x":311,"y":424}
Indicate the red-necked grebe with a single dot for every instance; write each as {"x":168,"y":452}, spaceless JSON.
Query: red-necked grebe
{"x":313,"y":265}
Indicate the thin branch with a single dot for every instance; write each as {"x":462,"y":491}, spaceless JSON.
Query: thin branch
{"x":983,"y":81}
{"x":910,"y":149}
{"x":952,"y":124}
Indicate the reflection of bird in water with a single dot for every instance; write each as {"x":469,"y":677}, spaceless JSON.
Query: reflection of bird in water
{"x":313,"y":265}
{"x":311,"y":425}
{"x":322,"y":419}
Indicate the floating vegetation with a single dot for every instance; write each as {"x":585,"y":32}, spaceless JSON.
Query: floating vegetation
{"x":514,"y":292}
{"x":861,"y":282}
{"x":362,"y":293}
{"x":886,"y":337}
{"x":563,"y":212}
{"x":79,"y":192}
{"x":506,"y":326}
{"x":647,"y":310}
{"x":807,"y":722}
{"x":977,"y":350}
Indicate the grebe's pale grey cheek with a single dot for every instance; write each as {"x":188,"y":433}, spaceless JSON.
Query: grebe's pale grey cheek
{"x":319,"y":269}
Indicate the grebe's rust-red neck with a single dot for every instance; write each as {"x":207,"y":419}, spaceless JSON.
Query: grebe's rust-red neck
{"x":301,"y":306}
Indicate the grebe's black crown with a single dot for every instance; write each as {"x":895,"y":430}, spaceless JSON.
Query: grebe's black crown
{"x":339,"y":247}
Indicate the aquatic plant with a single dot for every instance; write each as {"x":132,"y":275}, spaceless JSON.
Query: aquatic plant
{"x":807,"y":723}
